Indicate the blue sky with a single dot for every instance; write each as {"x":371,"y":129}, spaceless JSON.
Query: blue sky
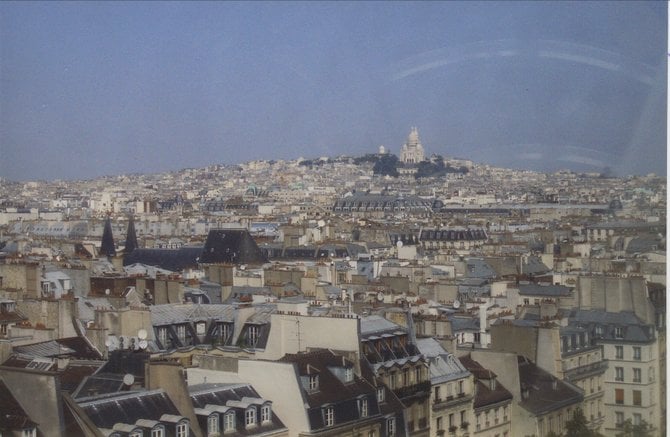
{"x":91,"y":88}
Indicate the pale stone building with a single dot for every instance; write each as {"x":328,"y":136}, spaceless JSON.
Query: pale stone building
{"x":412,"y":151}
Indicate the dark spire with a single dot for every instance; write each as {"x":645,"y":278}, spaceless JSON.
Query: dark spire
{"x":107,"y":246}
{"x":131,"y":237}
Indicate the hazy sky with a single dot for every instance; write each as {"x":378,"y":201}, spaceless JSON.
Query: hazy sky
{"x":91,"y":88}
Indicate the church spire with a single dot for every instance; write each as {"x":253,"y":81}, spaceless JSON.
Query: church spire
{"x":131,"y":236}
{"x":107,"y":247}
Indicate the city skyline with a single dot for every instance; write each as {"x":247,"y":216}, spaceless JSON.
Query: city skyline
{"x":98,"y":89}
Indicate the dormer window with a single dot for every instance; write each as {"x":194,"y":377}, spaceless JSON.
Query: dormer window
{"x":381,"y":396}
{"x":363,"y":407}
{"x":158,"y":431}
{"x":252,"y":335}
{"x":618,"y":332}
{"x":266,"y":414}
{"x":182,"y":429}
{"x":313,"y":382}
{"x":213,"y":424}
{"x":229,"y":422}
{"x":348,"y":374}
{"x":329,"y":416}
{"x":250,"y":417}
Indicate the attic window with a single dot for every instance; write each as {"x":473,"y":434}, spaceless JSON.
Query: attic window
{"x":618,"y":332}
{"x":348,"y":374}
{"x":313,"y":382}
{"x":229,"y":422}
{"x":250,"y":417}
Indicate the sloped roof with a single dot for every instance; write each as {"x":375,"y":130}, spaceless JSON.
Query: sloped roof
{"x":235,"y":246}
{"x":483,"y":394}
{"x":13,"y":416}
{"x":545,"y":392}
{"x":169,"y":314}
{"x":173,"y":260}
{"x":129,"y":408}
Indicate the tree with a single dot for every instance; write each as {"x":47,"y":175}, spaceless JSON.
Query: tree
{"x":577,"y":426}
{"x":386,"y":165}
{"x":630,"y":430}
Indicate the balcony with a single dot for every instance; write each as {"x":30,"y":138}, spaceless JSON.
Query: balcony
{"x":441,"y":404}
{"x":592,"y":369}
{"x":411,"y":391}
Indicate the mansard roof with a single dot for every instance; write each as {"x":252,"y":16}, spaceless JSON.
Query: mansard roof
{"x":485,"y":393}
{"x":541,"y":392}
{"x":235,"y":246}
{"x":129,"y":407}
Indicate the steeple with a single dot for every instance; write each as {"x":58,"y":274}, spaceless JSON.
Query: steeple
{"x":131,"y":236}
{"x":107,"y":247}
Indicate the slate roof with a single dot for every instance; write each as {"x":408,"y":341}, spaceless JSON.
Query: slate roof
{"x":545,"y":392}
{"x":128,"y":408}
{"x":107,"y":247}
{"x":452,"y":234}
{"x":631,"y":327}
{"x":207,"y":398}
{"x":342,"y":396}
{"x":12,"y":417}
{"x":169,"y":259}
{"x":233,"y":246}
{"x":484,"y":396}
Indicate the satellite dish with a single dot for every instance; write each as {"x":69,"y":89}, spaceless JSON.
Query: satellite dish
{"x":107,"y":291}
{"x":143,"y":344}
{"x":109,"y":342}
{"x":128,"y":379}
{"x":399,"y":244}
{"x":321,"y":223}
{"x":380,"y":296}
{"x":456,"y":304}
{"x":142,"y":334}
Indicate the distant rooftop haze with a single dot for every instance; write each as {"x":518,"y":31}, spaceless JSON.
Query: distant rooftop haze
{"x":101,"y":88}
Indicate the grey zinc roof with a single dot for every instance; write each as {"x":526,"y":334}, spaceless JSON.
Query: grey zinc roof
{"x":444,"y":366}
{"x":376,"y":324}
{"x":544,"y":290}
{"x":169,"y":314}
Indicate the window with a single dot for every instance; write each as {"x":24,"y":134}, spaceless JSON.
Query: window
{"x":460,"y":387}
{"x":329,"y":416}
{"x":417,"y":375}
{"x":637,"y":353}
{"x":213,"y":424}
{"x":619,"y":352}
{"x":651,"y":374}
{"x":266,"y":414}
{"x":637,"y":397}
{"x":182,"y":429}
{"x":390,"y":426}
{"x":28,"y":432}
{"x":252,"y":335}
{"x":157,"y":432}
{"x":637,"y":419}
{"x":451,"y":419}
{"x":181,"y":332}
{"x":637,"y":375}
{"x":313,"y":382}
{"x":618,"y":332}
{"x":250,"y":417}
{"x":478,"y":421}
{"x":200,"y":328}
{"x":380,"y":394}
{"x":619,"y":419}
{"x":392,"y":380}
{"x":348,"y":374}
{"x":437,"y":393}
{"x":463,"y":416}
{"x":405,"y":378}
{"x":363,"y":405}
{"x":229,"y":422}
{"x":618,"y":376}
{"x":438,"y":423}
{"x":618,"y":396}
